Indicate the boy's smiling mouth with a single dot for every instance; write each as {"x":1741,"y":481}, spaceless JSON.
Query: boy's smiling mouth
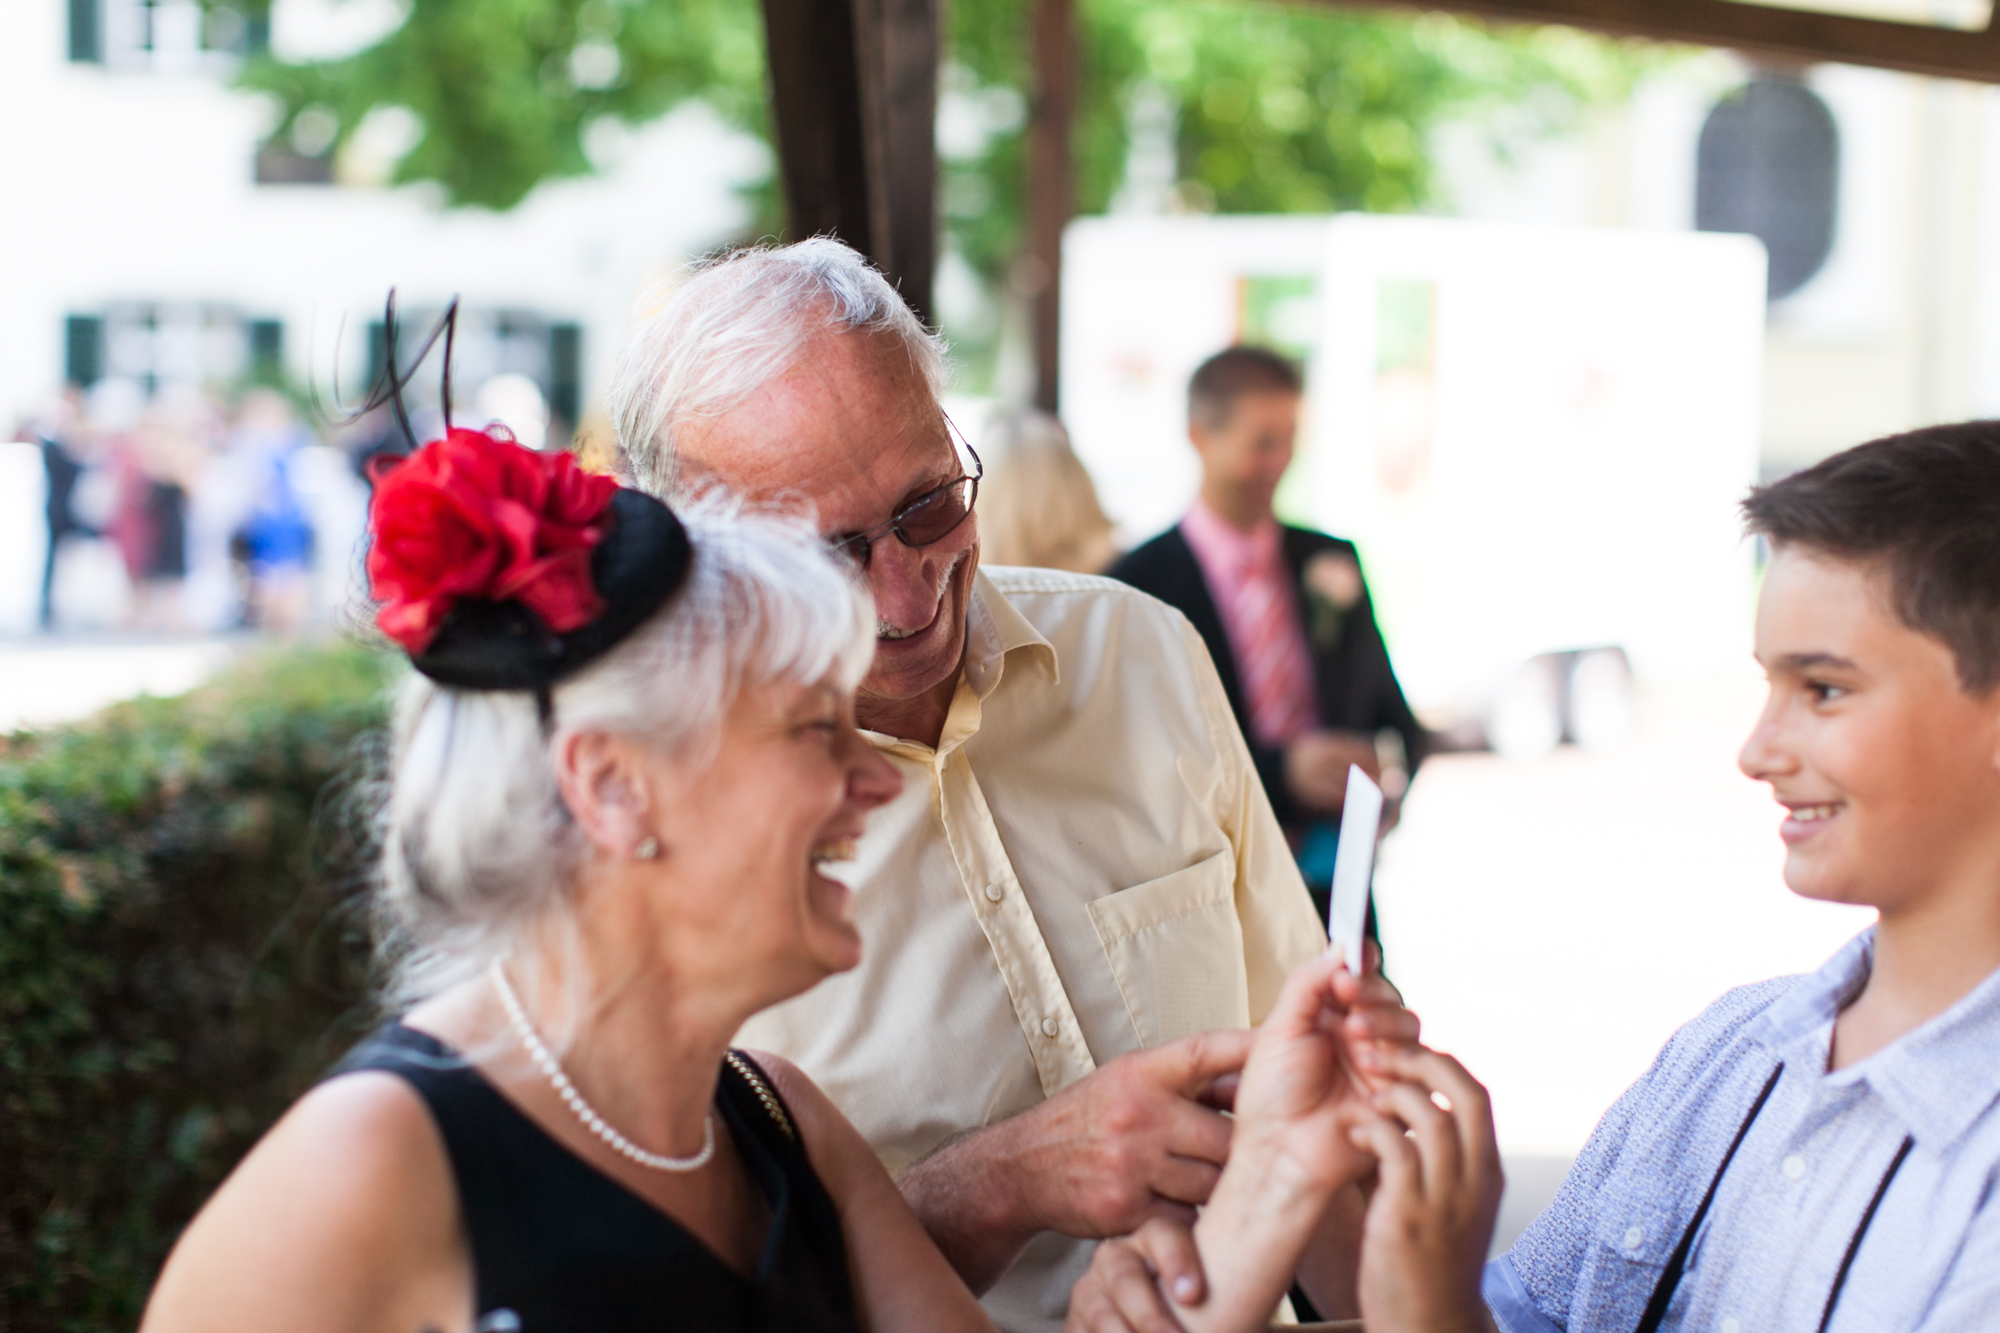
{"x":1802,"y":821}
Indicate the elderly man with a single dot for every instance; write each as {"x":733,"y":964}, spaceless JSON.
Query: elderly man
{"x":1082,"y":875}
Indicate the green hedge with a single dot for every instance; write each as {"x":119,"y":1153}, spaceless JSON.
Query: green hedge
{"x":183,"y":949}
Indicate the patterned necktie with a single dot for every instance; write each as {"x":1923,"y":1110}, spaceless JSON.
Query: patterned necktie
{"x":1277,"y":677}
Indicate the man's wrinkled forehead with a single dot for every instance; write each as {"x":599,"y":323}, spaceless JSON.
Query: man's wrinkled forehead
{"x":852,"y":411}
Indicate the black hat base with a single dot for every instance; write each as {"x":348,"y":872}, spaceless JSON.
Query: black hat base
{"x":641,"y":562}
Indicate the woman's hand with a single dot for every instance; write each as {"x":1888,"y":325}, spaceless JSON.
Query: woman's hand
{"x":1302,"y":1087}
{"x":1290,"y":1155}
{"x":1300,"y":1094}
{"x":1375,"y":1012}
{"x":1430,"y":1219}
{"x":1124,"y":1289}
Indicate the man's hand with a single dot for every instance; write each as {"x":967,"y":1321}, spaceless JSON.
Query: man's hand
{"x":1124,"y":1290}
{"x":1316,"y":767}
{"x":1143,"y":1137}
{"x":1430,"y":1219}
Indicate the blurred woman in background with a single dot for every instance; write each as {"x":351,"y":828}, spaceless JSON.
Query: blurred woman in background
{"x":1037,"y":505}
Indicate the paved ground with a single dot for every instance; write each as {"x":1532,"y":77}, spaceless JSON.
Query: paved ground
{"x":61,"y":677}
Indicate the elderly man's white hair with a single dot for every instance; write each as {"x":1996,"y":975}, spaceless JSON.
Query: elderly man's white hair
{"x":736,"y":323}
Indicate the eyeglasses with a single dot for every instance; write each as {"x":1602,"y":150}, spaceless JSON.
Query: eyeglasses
{"x":931,"y":517}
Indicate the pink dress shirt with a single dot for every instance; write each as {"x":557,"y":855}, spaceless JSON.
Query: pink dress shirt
{"x":1252,"y":588}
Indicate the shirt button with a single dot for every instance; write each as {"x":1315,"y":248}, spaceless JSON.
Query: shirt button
{"x":1794,"y":1167}
{"x":1050,"y":1027}
{"x":1634,"y":1238}
{"x":994,"y":893}
{"x":1731,"y":1326}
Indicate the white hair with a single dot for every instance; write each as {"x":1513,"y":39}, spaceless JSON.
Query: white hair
{"x":479,"y":854}
{"x":735,"y":323}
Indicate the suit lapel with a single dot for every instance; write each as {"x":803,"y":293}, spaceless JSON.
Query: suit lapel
{"x":1199,"y":606}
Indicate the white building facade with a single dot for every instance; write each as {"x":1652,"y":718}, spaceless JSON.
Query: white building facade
{"x":137,"y":241}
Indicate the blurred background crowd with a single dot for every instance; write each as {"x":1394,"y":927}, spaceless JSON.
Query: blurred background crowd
{"x":186,"y":514}
{"x":191,"y":512}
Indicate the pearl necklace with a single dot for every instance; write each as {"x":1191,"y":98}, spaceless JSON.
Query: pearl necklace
{"x":583,"y":1109}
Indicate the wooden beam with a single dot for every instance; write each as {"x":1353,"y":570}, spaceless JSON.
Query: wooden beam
{"x":854,"y":97}
{"x":1051,"y":185}
{"x":1950,"y":53}
{"x":899,"y":54}
{"x":816,"y":103}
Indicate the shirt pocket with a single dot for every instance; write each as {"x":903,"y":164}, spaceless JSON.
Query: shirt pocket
{"x":1175,"y":947}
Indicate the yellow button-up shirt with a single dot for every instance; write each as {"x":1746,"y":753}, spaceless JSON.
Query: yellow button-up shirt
{"x":1086,"y":864}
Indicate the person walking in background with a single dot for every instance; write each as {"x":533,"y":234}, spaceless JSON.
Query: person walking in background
{"x":55,"y":432}
{"x":275,"y":538}
{"x":1038,"y":505}
{"x":1285,"y":611}
{"x":171,"y":446}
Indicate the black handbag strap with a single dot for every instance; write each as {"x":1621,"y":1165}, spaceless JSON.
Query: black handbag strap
{"x":1854,"y":1244}
{"x":1670,"y":1279}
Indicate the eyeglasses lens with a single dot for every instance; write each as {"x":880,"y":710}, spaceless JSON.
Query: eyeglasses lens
{"x":933,"y":517}
{"x":930,"y":519}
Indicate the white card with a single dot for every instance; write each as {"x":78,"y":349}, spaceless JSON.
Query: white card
{"x":1354,"y":867}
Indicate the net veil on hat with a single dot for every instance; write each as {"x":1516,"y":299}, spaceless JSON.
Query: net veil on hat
{"x":498,"y":567}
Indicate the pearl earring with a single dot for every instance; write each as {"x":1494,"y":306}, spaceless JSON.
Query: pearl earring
{"x":648,"y":849}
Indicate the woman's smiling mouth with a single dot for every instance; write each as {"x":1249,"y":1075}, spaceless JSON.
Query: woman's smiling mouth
{"x":833,"y":850}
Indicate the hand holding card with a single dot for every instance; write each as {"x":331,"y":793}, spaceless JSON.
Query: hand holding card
{"x":1353,"y":868}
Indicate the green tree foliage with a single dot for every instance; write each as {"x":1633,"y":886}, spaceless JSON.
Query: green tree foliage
{"x":506,"y":89}
{"x":181,"y":955}
{"x":1280,"y":108}
{"x":1276,"y":108}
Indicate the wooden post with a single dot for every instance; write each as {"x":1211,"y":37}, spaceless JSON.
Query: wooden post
{"x":1051,"y":185}
{"x":854,"y":97}
{"x":1767,"y":29}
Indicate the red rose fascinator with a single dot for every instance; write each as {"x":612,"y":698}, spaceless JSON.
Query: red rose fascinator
{"x":500,"y":568}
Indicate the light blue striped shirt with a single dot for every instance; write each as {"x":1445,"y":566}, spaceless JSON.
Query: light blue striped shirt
{"x":1787,"y":1212}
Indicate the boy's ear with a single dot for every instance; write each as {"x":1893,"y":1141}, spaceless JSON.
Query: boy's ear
{"x":604,"y":787}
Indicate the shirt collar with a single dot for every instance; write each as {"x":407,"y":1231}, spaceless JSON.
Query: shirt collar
{"x":993,"y":631}
{"x":1815,"y":1001}
{"x":1215,"y":540}
{"x":1938,"y":1080}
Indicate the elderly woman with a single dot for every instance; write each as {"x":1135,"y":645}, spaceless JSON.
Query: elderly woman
{"x":618,"y":778}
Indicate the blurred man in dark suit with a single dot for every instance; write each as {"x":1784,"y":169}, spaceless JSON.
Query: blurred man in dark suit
{"x":1284,"y":610}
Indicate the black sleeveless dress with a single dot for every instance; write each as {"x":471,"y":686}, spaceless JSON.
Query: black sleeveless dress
{"x":560,"y":1247}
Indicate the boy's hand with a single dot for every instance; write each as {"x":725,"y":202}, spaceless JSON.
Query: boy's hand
{"x":1430,"y":1220}
{"x":1124,"y":1289}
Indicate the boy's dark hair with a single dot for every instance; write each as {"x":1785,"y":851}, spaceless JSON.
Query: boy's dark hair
{"x":1926,"y":507}
{"x":1219,"y":381}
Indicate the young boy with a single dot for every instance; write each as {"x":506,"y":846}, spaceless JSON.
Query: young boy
{"x":1822,"y":1152}
{"x":1811,"y":1153}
